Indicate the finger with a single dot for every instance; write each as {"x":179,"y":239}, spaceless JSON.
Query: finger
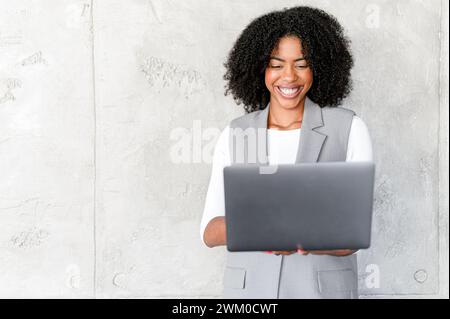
{"x":284,"y":252}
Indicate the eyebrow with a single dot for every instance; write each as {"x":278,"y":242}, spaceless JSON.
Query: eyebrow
{"x":280,"y":59}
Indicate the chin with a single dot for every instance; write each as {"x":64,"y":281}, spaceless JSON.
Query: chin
{"x":290,"y":104}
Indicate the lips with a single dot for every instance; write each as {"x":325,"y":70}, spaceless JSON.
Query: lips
{"x":289,"y":92}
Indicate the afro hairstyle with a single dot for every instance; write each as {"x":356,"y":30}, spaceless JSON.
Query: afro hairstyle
{"x":325,"y":47}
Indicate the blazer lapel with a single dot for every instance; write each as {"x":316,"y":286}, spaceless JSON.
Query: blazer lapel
{"x":311,"y":141}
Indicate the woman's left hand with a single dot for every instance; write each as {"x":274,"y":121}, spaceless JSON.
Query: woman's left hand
{"x":338,"y":252}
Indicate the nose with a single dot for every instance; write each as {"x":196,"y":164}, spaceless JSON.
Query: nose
{"x":289,"y":74}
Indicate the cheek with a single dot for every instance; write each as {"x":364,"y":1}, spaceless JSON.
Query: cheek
{"x":309,"y":77}
{"x":269,"y":78}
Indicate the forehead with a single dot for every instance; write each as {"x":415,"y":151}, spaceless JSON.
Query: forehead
{"x":288,"y":46}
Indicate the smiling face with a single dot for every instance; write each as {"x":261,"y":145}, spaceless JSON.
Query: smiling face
{"x":288,"y":76}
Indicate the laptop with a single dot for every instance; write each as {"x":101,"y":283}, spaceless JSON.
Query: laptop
{"x":311,"y":206}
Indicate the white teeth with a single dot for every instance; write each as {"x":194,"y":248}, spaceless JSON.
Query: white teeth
{"x":288,"y":91}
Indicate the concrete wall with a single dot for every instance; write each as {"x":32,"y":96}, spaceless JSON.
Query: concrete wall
{"x":92,"y":203}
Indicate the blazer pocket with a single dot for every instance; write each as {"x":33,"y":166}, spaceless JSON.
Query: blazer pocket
{"x":234,"y":278}
{"x":337,"y":283}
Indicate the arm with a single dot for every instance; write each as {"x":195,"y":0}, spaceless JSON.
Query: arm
{"x":215,"y":232}
{"x":216,"y":235}
{"x":212,"y":226}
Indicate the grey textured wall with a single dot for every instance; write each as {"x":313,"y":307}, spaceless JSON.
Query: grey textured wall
{"x":91,"y":202}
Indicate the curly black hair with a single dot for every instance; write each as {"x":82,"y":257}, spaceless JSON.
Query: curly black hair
{"x":325,"y":47}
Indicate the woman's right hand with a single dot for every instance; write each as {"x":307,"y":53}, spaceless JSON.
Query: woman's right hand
{"x":215,"y":232}
{"x":282,"y":252}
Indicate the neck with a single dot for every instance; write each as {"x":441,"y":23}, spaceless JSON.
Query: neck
{"x":285,"y":119}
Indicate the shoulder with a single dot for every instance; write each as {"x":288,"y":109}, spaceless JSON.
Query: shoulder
{"x":358,"y":125}
{"x":245,"y":120}
{"x":340,"y":112}
{"x":222,"y":141}
{"x":224,"y":134}
{"x":337,"y":111}
{"x":337,"y":118}
{"x":221,"y":153}
{"x":359,"y":142}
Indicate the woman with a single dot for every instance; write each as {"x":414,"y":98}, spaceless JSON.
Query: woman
{"x":290,"y":69}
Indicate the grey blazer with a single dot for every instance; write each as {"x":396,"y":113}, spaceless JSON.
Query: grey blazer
{"x":324,"y":137}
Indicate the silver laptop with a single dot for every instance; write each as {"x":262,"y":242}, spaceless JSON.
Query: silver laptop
{"x":325,"y":205}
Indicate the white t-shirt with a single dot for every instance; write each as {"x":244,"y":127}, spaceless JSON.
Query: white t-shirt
{"x":282,"y":149}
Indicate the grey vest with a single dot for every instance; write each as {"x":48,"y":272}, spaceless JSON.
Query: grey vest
{"x":324,"y":137}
